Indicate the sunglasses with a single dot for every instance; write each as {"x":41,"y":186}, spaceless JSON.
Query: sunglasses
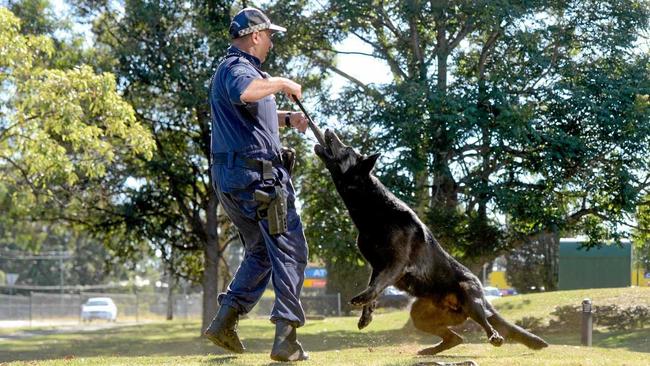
{"x":269,"y":33}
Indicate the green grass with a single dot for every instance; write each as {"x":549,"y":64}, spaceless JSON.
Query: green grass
{"x":389,"y":340}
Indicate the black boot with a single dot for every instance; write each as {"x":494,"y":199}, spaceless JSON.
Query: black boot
{"x":223,"y":329}
{"x":285,"y":345}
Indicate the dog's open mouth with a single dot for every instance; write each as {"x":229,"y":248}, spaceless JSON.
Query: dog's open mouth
{"x":334,"y":144}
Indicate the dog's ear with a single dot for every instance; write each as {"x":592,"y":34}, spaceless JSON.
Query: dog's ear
{"x":367,"y":164}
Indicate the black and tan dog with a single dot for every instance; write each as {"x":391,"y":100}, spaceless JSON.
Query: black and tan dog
{"x":402,"y":251}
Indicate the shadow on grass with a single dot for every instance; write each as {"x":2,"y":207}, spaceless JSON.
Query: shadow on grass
{"x":181,"y":339}
{"x":222,"y":360}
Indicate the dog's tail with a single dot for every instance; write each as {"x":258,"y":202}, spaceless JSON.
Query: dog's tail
{"x":515,"y":332}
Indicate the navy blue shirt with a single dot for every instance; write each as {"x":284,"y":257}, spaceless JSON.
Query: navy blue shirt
{"x":250,"y":129}
{"x":243,"y":129}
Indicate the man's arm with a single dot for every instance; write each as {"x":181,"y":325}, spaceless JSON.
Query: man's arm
{"x":260,"y":88}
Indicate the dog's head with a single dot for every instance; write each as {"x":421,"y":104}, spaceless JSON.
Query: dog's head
{"x":341,"y":159}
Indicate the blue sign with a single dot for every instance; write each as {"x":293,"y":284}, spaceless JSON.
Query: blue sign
{"x":315,"y":272}
{"x":646,"y":275}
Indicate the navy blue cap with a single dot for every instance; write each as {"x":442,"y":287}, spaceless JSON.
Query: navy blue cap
{"x":249,"y":20}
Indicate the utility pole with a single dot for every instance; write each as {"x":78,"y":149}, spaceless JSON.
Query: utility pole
{"x":61,"y":273}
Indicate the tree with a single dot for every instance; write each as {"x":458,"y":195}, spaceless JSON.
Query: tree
{"x":61,"y":126}
{"x":58,"y":126}
{"x":534,"y":111}
{"x":534,"y":265}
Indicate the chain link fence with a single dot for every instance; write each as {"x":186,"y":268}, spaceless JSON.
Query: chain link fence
{"x":48,"y":308}
{"x":43,"y":308}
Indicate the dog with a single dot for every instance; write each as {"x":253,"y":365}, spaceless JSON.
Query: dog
{"x":403,"y":252}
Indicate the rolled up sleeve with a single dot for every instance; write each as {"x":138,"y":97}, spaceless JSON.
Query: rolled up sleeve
{"x":238,"y":78}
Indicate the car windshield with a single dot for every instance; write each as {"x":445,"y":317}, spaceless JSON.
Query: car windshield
{"x":97,"y":303}
{"x":492,"y":292}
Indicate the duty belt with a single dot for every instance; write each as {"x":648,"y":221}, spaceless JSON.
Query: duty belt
{"x":265,"y":167}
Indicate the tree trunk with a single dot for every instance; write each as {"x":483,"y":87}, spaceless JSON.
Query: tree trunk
{"x":444,"y":187}
{"x":170,"y":297}
{"x":551,"y":259}
{"x":423,"y":195}
{"x":212,"y":256}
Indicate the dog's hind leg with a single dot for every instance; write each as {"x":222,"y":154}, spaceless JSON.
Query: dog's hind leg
{"x":366,"y":314}
{"x":476,"y":311}
{"x":449,"y":339}
{"x":430,"y":318}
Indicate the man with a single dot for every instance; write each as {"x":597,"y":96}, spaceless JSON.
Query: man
{"x":254,"y":187}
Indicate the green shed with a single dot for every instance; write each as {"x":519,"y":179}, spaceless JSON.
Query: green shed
{"x":607,"y":266}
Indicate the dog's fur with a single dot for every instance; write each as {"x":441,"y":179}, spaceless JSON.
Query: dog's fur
{"x":402,"y":251}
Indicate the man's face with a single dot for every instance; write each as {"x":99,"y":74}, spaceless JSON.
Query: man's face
{"x":264,"y":43}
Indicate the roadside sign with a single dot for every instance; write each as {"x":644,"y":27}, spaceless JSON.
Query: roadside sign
{"x":316,"y":272}
{"x":315,"y":283}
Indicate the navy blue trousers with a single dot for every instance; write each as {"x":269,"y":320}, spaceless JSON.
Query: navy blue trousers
{"x":282,"y":257}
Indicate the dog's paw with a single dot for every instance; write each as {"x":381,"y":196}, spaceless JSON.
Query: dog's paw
{"x":496,"y":339}
{"x":361,"y":299}
{"x":364,"y":320}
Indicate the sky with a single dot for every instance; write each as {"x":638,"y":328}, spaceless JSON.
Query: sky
{"x":364,"y":68}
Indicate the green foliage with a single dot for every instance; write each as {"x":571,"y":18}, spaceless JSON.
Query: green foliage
{"x":60,"y":126}
{"x":531,"y":323}
{"x":63,"y":129}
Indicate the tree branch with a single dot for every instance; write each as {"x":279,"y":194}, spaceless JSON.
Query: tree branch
{"x":323,"y":63}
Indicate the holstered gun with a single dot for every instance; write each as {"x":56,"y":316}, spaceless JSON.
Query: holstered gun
{"x":273,"y":207}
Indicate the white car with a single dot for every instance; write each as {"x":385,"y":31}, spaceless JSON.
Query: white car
{"x":491,"y":293}
{"x":99,"y":308}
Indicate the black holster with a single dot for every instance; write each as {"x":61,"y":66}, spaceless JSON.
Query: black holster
{"x":273,"y":207}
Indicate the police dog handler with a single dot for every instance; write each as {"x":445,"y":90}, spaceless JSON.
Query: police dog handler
{"x":252,"y":181}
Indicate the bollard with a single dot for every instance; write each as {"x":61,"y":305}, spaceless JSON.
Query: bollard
{"x":338,"y":304}
{"x":587,"y":322}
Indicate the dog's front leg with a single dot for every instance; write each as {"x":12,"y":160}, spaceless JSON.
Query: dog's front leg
{"x":379,"y":280}
{"x":366,"y":314}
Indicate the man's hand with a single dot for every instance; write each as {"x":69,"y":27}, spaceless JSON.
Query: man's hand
{"x":292,"y":88}
{"x":298,"y":121}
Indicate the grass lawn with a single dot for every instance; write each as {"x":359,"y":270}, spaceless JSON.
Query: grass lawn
{"x":389,"y":340}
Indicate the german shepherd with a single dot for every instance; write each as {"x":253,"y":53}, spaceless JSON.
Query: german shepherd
{"x":403,"y":252}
